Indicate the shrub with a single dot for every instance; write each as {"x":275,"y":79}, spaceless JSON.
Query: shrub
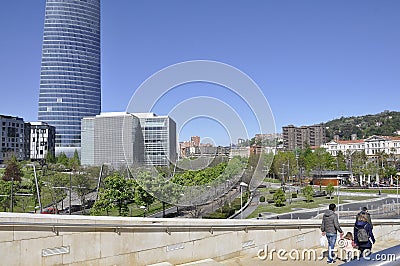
{"x":308,"y":193}
{"x":279,"y":198}
{"x":330,"y":189}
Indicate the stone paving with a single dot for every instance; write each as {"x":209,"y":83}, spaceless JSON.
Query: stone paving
{"x":251,"y":261}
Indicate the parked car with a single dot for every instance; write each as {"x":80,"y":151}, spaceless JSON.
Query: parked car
{"x":50,"y":210}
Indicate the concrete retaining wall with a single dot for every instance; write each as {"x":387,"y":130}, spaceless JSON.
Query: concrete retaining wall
{"x":87,"y":243}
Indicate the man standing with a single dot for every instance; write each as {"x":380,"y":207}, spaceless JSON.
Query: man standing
{"x":330,"y":226}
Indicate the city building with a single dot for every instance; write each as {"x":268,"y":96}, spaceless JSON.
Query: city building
{"x":240,"y":151}
{"x":42,"y":140}
{"x":190,"y":148}
{"x":118,"y":137}
{"x":70,"y":69}
{"x":13,"y":139}
{"x":326,"y":177}
{"x":301,"y":137}
{"x":159,"y":134}
{"x":257,"y":149}
{"x":184,"y":149}
{"x":195,"y":140}
{"x":373,"y":146}
{"x":112,"y":138}
{"x":271,"y":136}
{"x":194,"y":148}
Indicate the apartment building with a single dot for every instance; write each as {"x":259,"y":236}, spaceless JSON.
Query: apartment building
{"x":12,"y":138}
{"x":42,"y":140}
{"x":300,"y":137}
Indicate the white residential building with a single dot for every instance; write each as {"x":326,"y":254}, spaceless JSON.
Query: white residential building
{"x":42,"y":140}
{"x":372,"y":146}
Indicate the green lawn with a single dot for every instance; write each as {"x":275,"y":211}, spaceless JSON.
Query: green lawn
{"x":302,"y":204}
{"x":272,"y":180}
{"x":136,"y":211}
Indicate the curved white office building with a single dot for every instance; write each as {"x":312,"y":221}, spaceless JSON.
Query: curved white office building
{"x":70,"y":80}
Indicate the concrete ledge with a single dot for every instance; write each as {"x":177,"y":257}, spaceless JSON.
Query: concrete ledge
{"x":77,"y":240}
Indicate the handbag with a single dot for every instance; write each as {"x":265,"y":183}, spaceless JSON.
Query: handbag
{"x":322,"y":241}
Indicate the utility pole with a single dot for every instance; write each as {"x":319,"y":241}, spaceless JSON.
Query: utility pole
{"x":12,"y":194}
{"x":70,"y":191}
{"x":297,"y":164}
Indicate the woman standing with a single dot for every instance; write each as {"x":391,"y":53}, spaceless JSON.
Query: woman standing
{"x":363,"y":236}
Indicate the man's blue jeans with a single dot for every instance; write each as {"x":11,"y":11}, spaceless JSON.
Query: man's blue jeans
{"x":331,"y":245}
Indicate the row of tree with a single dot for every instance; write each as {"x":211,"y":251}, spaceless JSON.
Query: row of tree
{"x":302,"y":162}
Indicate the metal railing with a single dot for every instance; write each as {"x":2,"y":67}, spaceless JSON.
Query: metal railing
{"x":152,"y":225}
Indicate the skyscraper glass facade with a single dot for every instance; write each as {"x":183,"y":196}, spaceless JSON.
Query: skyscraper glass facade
{"x":70,"y":72}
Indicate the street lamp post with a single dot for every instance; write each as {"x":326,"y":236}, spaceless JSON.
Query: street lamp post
{"x":12,"y":194}
{"x":242,"y":184}
{"x":397,"y":192}
{"x":338,"y":180}
{"x":297,"y":165}
{"x":70,"y":191}
{"x":37,"y":186}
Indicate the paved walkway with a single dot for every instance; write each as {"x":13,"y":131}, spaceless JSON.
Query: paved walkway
{"x":254,"y":260}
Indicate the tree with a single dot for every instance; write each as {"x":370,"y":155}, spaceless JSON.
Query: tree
{"x":358,"y":161}
{"x":330,"y":189}
{"x":308,"y":192}
{"x":142,"y":197}
{"x":63,"y":159}
{"x":75,"y":162}
{"x":284,"y":165}
{"x":13,"y":170}
{"x":279,"y":197}
{"x":13,"y":173}
{"x":340,"y":161}
{"x":117,"y":191}
{"x":5,"y":188}
{"x":307,"y":160}
{"x":324,"y":159}
{"x":50,"y":158}
{"x":82,"y":185}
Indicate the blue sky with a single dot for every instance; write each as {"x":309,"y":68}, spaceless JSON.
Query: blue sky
{"x":313,"y":60}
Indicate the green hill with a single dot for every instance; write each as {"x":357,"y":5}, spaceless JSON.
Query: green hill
{"x":386,"y":123}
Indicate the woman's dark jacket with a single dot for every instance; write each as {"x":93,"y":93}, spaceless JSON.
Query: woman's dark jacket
{"x":368,"y":244}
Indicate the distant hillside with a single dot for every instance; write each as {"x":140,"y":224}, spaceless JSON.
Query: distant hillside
{"x":386,"y":123}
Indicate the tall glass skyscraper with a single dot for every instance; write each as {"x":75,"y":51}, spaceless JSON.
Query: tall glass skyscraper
{"x":70,"y":83}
